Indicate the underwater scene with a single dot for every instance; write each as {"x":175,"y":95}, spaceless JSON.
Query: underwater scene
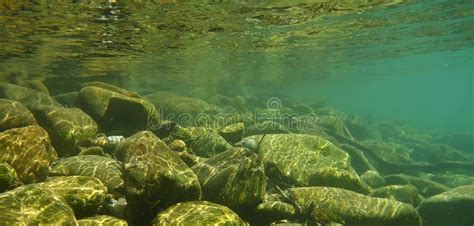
{"x":237,"y":112}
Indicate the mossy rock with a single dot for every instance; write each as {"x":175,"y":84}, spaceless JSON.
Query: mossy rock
{"x":102,"y":220}
{"x":28,"y":150}
{"x":234,"y":178}
{"x":198,"y":213}
{"x":34,"y":205}
{"x":373,"y":179}
{"x":155,"y":177}
{"x":274,"y":211}
{"x":402,"y":193}
{"x":84,"y":194}
{"x":69,"y":128}
{"x":28,"y":97}
{"x":233,"y":133}
{"x":425,"y":187}
{"x":116,"y":111}
{"x":107,"y":170}
{"x":325,"y":204}
{"x":13,"y":114}
{"x":307,"y":160}
{"x":174,"y":105}
{"x":204,"y":142}
{"x":8,"y":177}
{"x":453,"y":207}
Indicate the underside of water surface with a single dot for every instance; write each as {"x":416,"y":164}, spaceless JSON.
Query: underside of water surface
{"x":234,"y":112}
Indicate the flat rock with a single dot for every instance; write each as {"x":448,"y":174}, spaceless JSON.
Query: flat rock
{"x":453,"y":207}
{"x":28,"y":150}
{"x":34,"y":205}
{"x":198,"y":213}
{"x":325,"y":204}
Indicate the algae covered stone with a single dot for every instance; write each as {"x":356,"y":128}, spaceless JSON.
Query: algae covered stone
{"x":84,"y":194}
{"x":453,"y":207}
{"x":69,"y":128}
{"x":34,"y":205}
{"x":198,"y":213}
{"x":28,"y":150}
{"x":274,"y":211}
{"x":325,"y":204}
{"x":101,"y":220}
{"x":8,"y":177}
{"x":118,"y":110}
{"x":235,"y":178}
{"x":204,"y":142}
{"x":155,"y":176}
{"x":308,"y":160}
{"x":13,"y":114}
{"x":28,"y":97}
{"x":107,"y":170}
{"x":403,"y":193}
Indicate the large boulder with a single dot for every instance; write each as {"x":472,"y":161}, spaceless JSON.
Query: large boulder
{"x":34,"y":205}
{"x":28,"y":150}
{"x":425,"y":187}
{"x":155,"y":177}
{"x":28,"y":97}
{"x":198,"y":213}
{"x":107,"y":170}
{"x":8,"y":177}
{"x":69,"y":128}
{"x":101,"y":220}
{"x":84,"y":194}
{"x":308,"y":160}
{"x":453,"y":207}
{"x":204,"y":142}
{"x":325,"y":204}
{"x":118,"y":110}
{"x":402,"y":193}
{"x":234,"y":178}
{"x":13,"y":114}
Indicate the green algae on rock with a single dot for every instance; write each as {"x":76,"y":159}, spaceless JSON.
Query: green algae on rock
{"x":101,"y":220}
{"x":107,"y":170}
{"x":425,"y":187}
{"x":198,"y":213}
{"x":325,"y":204}
{"x":8,"y":177}
{"x":309,"y":161}
{"x":453,"y":207}
{"x":234,"y":178}
{"x":117,"y":111}
{"x":84,"y":194}
{"x":402,"y":193}
{"x":13,"y":114}
{"x":28,"y":97}
{"x":28,"y":150}
{"x":274,"y":211}
{"x":172,"y":103}
{"x":34,"y":205}
{"x":204,"y":142}
{"x":68,"y":128}
{"x":155,"y":177}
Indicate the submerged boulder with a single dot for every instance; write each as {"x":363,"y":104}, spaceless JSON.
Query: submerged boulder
{"x":69,"y":128}
{"x":234,"y":178}
{"x":425,"y":187}
{"x":101,"y":220}
{"x":308,"y":160}
{"x":118,"y":111}
{"x":28,"y":97}
{"x":13,"y":114}
{"x":453,"y":207}
{"x":176,"y":106}
{"x":204,"y":142}
{"x":155,"y":177}
{"x":34,"y":205}
{"x":402,"y":193}
{"x":28,"y":150}
{"x":84,"y":194}
{"x":325,"y":204}
{"x":107,"y":170}
{"x":8,"y":177}
{"x":198,"y":213}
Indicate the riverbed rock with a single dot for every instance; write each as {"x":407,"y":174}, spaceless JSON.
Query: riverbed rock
{"x":325,"y":204}
{"x":84,"y":194}
{"x":8,"y":177}
{"x":34,"y":205}
{"x":107,"y":170}
{"x":198,"y":213}
{"x":308,"y":160}
{"x":453,"y":207}
{"x":204,"y":142}
{"x":425,"y":187}
{"x":115,"y":111}
{"x":155,"y":177}
{"x":274,"y":211}
{"x":13,"y":114}
{"x":68,"y":128}
{"x":402,"y":193}
{"x":234,"y":178}
{"x":372,"y":178}
{"x":28,"y":150}
{"x":101,"y":220}
{"x":28,"y":97}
